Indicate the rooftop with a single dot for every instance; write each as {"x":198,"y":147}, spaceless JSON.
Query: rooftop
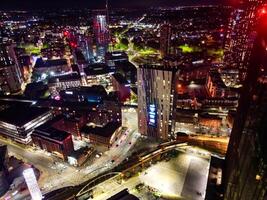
{"x":105,"y":131}
{"x":159,"y":67}
{"x":121,"y":79}
{"x":96,"y":69}
{"x":46,"y":131}
{"x":40,"y":63}
{"x":125,"y":66}
{"x":66,"y":77}
{"x":116,"y":55}
{"x":19,"y":114}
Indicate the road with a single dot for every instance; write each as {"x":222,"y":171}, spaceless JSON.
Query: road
{"x":55,"y":176}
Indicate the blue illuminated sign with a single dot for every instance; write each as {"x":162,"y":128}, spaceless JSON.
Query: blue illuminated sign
{"x":152,"y":115}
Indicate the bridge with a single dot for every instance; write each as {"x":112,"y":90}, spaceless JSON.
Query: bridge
{"x":143,"y":161}
{"x":93,"y":183}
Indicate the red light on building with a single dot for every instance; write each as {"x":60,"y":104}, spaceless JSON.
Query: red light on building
{"x":262,"y":11}
{"x":73,"y":44}
{"x":262,"y":15}
{"x":66,"y":33}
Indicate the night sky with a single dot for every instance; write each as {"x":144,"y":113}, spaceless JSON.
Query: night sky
{"x":39,"y":4}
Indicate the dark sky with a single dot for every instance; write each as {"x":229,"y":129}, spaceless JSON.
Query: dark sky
{"x":33,"y":4}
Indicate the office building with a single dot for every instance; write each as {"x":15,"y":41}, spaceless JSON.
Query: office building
{"x":10,"y":75}
{"x":245,"y":176}
{"x":156,"y":86}
{"x":101,"y":32}
{"x":116,"y":56}
{"x":98,"y":74}
{"x":18,"y":120}
{"x":93,"y":102}
{"x":48,"y":68}
{"x":165,"y":39}
{"x":102,"y":135}
{"x":122,"y":86}
{"x":63,"y":82}
{"x":71,"y":123}
{"x":53,"y":140}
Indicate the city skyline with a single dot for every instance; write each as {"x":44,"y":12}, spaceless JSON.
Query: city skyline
{"x":154,"y":100}
{"x":31,"y":4}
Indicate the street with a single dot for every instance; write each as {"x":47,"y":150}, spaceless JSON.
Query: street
{"x":185,"y":176}
{"x":56,"y":174}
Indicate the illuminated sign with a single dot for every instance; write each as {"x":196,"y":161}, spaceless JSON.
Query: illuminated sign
{"x":32,"y":184}
{"x":116,"y":54}
{"x":69,"y":92}
{"x":152,"y":115}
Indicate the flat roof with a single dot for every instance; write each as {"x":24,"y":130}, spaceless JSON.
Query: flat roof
{"x":126,"y":66}
{"x":97,"y":69}
{"x":121,"y":79}
{"x":105,"y":131}
{"x":116,"y":55}
{"x":19,"y":114}
{"x":66,"y":77}
{"x":159,"y":67}
{"x":48,"y":132}
{"x":40,"y":63}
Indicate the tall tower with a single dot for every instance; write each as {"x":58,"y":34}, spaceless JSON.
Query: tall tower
{"x":101,"y":32}
{"x":165,"y":39}
{"x":107,"y":11}
{"x":10,"y":74}
{"x":32,"y":184}
{"x":246,"y":161}
{"x":239,"y":38}
{"x":155,"y":100}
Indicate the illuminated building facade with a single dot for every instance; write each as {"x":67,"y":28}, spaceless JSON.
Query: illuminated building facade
{"x":71,"y":123}
{"x":246,"y":161}
{"x":10,"y":75}
{"x":165,"y":39}
{"x":122,"y":86}
{"x":49,"y":68}
{"x":102,"y":135}
{"x":99,"y":107}
{"x":85,"y":42}
{"x":18,"y":122}
{"x":239,"y":39}
{"x":54,"y":141}
{"x":63,"y":82}
{"x":32,"y":184}
{"x":155,"y":100}
{"x":101,"y":32}
{"x":98,"y":74}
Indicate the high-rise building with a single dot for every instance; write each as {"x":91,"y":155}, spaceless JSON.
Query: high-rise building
{"x":10,"y":74}
{"x":155,"y":100}
{"x":165,"y":39}
{"x":239,"y":39}
{"x":246,"y":161}
{"x":32,"y":184}
{"x":101,"y":32}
